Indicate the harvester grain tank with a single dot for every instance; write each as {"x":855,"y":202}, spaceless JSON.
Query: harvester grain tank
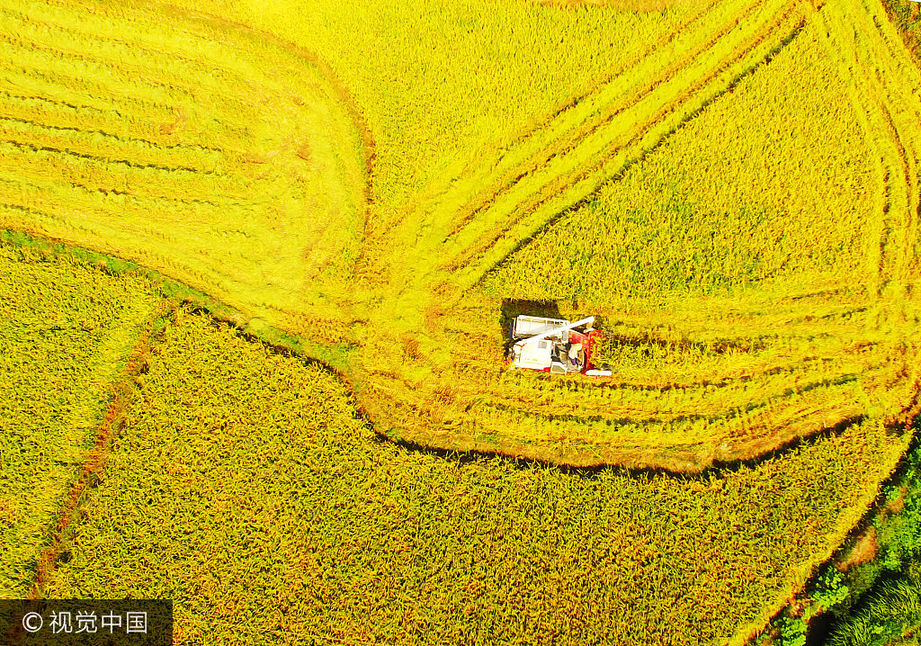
{"x":555,"y":345}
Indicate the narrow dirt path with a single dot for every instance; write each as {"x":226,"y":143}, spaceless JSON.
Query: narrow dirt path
{"x":123,"y":390}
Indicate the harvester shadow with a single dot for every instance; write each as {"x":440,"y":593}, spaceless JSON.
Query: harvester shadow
{"x":717,"y":469}
{"x":513,"y":307}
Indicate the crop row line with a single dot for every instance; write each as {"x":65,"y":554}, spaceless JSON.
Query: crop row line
{"x":880,"y":131}
{"x":903,"y":138}
{"x":34,"y":85}
{"x":107,"y":148}
{"x":48,"y":34}
{"x":93,"y":173}
{"x":693,"y":404}
{"x":576,"y":394}
{"x":56,"y":76}
{"x":63,"y":197}
{"x":230,"y":92}
{"x":694,"y":443}
{"x":21,"y":124}
{"x":643,"y":418}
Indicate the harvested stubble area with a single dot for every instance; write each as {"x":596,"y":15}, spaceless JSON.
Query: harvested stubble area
{"x":222,"y":157}
{"x":244,"y":487}
{"x":64,"y":333}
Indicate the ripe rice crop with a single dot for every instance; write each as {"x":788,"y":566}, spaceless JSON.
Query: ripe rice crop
{"x":730,"y":185}
{"x":64,"y":333}
{"x":736,"y":198}
{"x":452,"y":82}
{"x":244,"y":487}
{"x":804,"y":259}
{"x":495,"y":175}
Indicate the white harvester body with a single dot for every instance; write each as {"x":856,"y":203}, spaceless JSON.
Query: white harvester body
{"x":551,"y":345}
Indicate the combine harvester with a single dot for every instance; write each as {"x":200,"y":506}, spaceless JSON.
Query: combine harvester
{"x":554,"y":346}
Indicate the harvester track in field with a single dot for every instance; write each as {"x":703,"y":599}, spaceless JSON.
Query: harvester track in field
{"x":483,"y":169}
{"x":586,"y":126}
{"x":658,"y":408}
{"x":563,"y":138}
{"x":564,"y":126}
{"x":733,"y":416}
{"x":418,"y":268}
{"x":482,"y":249}
{"x":901,"y":128}
{"x":895,"y":143}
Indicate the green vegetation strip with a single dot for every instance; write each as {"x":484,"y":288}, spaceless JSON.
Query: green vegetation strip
{"x":245,"y":488}
{"x":869,"y":594}
{"x":891,"y":613}
{"x":64,"y":334}
{"x":890,"y":608}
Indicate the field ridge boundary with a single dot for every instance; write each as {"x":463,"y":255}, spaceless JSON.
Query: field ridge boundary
{"x":122,"y":391}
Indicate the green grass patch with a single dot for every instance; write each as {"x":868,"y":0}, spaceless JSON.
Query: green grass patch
{"x":888,"y":614}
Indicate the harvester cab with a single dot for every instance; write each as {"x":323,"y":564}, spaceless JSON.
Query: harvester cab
{"x":555,"y":345}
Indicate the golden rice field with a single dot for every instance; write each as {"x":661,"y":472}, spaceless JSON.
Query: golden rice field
{"x":271,"y":514}
{"x":730,"y":186}
{"x":384,"y":212}
{"x":668,"y":176}
{"x":64,"y":334}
